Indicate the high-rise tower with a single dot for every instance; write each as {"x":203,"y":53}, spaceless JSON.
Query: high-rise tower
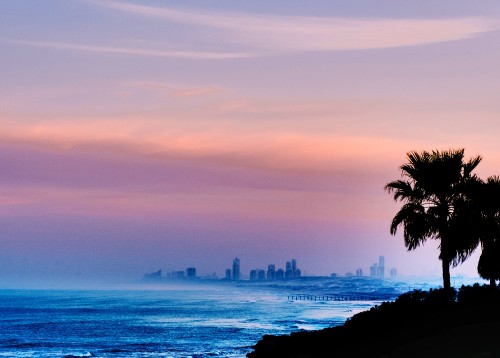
{"x":381,"y":267}
{"x":271,"y":270}
{"x":236,"y":268}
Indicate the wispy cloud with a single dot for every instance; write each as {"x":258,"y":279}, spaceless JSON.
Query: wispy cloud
{"x":195,"y":55}
{"x":264,"y":148}
{"x":251,"y":35}
{"x":175,"y":90}
{"x":195,"y":91}
{"x":275,"y":34}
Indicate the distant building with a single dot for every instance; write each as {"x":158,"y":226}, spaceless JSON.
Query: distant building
{"x":153,"y":276}
{"x":279,"y":274}
{"x":191,"y":272}
{"x":253,"y":275}
{"x":228,"y":274}
{"x":271,"y":271}
{"x":176,"y":275}
{"x":381,"y":267}
{"x":377,"y":270}
{"x":236,"y":268}
{"x":393,"y":273}
{"x":334,"y":275}
{"x":295,"y":270}
{"x":359,"y":272}
{"x":261,"y":275}
{"x":349,"y":274}
{"x":291,"y":270}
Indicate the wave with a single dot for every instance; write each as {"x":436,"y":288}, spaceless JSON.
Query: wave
{"x":154,"y":323}
{"x":76,"y":355}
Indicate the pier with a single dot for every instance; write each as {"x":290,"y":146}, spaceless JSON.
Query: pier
{"x":341,"y":297}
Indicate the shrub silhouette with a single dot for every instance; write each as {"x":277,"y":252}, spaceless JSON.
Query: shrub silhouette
{"x":435,"y":316}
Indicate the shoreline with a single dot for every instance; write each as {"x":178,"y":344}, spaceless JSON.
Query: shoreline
{"x":416,"y":324}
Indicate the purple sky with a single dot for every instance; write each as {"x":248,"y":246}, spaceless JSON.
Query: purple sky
{"x":146,"y":135}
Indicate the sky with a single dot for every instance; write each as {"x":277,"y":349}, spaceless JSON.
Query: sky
{"x":146,"y":135}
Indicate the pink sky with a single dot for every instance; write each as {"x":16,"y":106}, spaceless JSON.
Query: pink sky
{"x":137,"y":136}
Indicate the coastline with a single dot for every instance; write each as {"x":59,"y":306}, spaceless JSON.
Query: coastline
{"x":418,"y":323}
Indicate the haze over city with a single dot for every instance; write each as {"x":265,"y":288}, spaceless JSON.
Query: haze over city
{"x":138,"y":135}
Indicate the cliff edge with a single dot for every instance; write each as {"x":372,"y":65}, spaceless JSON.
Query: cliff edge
{"x":435,"y":323}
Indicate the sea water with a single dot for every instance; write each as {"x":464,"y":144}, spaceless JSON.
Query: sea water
{"x":161,"y":321}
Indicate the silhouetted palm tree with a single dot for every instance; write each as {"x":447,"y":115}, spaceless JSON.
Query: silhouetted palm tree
{"x":487,"y":199}
{"x":436,"y":204}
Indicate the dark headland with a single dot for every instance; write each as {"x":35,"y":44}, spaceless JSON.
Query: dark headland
{"x":435,"y":323}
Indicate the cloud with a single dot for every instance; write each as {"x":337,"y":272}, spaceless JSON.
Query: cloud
{"x":192,"y":55}
{"x":277,"y":34}
{"x":174,"y":90}
{"x":281,"y":134}
{"x":268,"y":145}
{"x":195,"y":91}
{"x":103,"y":179}
{"x":252,"y":35}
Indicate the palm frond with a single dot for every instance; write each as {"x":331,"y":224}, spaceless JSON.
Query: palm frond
{"x":440,"y":197}
{"x":401,"y":189}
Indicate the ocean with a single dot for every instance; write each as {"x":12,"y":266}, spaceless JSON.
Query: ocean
{"x":199,"y":320}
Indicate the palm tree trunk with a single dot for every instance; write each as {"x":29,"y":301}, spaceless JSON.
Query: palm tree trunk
{"x":492,"y":283}
{"x":446,"y":274}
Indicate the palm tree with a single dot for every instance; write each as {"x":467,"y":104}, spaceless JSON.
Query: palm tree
{"x":436,"y":205}
{"x":487,"y":199}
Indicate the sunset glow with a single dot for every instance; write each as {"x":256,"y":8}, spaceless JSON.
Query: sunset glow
{"x":139,"y":135}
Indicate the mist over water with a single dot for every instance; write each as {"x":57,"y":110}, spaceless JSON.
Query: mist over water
{"x":177,"y":318}
{"x":199,"y":320}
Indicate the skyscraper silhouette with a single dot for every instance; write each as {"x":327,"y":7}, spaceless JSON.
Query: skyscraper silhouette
{"x":381,"y":267}
{"x":191,"y":272}
{"x":236,"y":268}
{"x":271,"y":270}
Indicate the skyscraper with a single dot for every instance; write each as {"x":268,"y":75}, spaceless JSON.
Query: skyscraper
{"x":279,"y":274}
{"x":288,"y":270}
{"x":191,"y":272}
{"x":295,"y":271}
{"x":261,"y":274}
{"x":381,"y":267}
{"x":253,"y":275}
{"x":271,"y":270}
{"x":236,"y":268}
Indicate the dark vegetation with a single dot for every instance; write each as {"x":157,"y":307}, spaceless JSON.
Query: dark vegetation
{"x":437,"y":323}
{"x":442,"y":199}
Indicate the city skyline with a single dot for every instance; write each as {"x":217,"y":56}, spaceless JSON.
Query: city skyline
{"x":135,"y":133}
{"x":289,"y":270}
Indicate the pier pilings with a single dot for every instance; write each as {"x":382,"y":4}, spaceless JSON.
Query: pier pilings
{"x":338,"y":297}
